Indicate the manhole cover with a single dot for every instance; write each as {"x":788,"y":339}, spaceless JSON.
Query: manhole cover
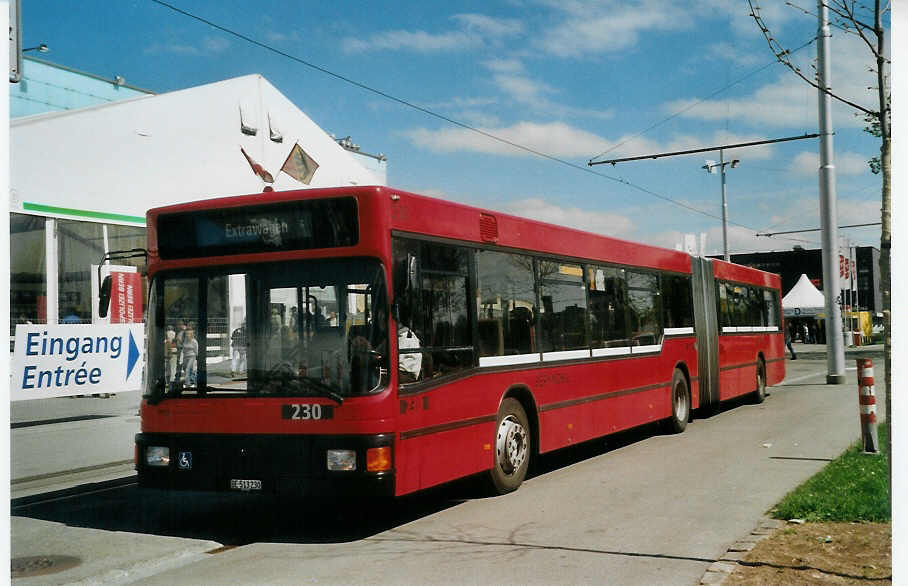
{"x":41,"y":565}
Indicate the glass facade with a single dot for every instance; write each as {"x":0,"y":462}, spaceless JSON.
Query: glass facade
{"x":28,"y":269}
{"x":75,"y":245}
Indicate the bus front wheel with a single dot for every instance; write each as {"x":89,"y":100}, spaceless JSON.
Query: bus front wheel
{"x":512,"y":447}
{"x":680,"y":403}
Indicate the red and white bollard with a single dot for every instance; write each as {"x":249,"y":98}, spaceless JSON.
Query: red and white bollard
{"x":867,"y":402}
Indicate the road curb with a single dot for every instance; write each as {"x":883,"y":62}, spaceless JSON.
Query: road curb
{"x":38,"y":494}
{"x":719,"y":571}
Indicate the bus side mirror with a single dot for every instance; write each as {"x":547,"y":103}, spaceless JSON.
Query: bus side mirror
{"x":104,"y":297}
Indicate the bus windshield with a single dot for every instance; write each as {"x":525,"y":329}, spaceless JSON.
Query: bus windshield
{"x":307,"y":328}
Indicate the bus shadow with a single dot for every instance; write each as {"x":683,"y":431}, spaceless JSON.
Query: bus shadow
{"x":240,"y":519}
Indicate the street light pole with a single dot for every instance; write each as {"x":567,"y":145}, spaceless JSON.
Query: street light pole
{"x":710,"y":167}
{"x":725,"y":255}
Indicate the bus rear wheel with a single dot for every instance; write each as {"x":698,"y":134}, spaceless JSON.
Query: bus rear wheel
{"x":680,"y":403}
{"x":512,"y":447}
{"x":759,"y":395}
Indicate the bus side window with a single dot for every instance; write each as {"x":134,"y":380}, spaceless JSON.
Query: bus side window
{"x":677,"y":301}
{"x":505,"y":299}
{"x":645,"y":304}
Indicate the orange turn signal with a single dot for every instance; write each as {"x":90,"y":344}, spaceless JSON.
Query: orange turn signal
{"x":378,"y":459}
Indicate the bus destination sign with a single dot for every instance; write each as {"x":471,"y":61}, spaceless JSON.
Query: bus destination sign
{"x":293,"y":225}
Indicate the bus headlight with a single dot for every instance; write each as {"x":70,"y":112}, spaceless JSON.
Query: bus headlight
{"x":341,"y":460}
{"x":157,"y":456}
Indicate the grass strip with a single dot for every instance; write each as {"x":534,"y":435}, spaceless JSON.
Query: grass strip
{"x":852,"y":488}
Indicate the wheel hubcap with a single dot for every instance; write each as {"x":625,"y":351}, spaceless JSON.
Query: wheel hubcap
{"x":511,"y":444}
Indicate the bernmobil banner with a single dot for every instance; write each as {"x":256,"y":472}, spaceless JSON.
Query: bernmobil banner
{"x":125,"y":297}
{"x":63,"y":360}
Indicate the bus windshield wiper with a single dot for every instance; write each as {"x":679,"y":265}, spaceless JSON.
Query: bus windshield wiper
{"x":328,"y":391}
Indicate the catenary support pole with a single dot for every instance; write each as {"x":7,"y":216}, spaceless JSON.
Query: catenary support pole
{"x":835,"y":349}
{"x":725,"y":255}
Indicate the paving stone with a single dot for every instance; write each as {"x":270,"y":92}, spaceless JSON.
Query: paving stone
{"x":713,"y":578}
{"x":742,"y":546}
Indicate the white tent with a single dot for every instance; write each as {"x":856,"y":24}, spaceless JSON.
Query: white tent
{"x":114,"y":161}
{"x":803,"y":300}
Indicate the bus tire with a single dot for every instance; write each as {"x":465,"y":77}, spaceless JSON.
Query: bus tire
{"x":512,"y":447}
{"x":759,"y":395}
{"x":680,"y":403}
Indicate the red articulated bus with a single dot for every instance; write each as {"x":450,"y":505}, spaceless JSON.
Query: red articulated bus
{"x":371,"y":341}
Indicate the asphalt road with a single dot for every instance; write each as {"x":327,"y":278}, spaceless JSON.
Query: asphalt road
{"x":638,"y":508}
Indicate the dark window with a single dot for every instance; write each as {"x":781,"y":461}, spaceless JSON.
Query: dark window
{"x":608,"y":307}
{"x":437,"y":310}
{"x":563,"y":311}
{"x":506,"y":303}
{"x":723,"y":305}
{"x":677,"y":302}
{"x":771,"y":308}
{"x":645,"y":308}
{"x":755,"y":307}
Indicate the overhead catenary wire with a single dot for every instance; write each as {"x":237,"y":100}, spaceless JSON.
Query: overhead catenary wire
{"x":437,"y":115}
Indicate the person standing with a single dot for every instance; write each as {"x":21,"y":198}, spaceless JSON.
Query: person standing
{"x":170,"y":354}
{"x":190,"y":355}
{"x":238,"y":339}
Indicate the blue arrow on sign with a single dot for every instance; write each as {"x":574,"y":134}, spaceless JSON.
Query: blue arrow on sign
{"x":133,"y":355}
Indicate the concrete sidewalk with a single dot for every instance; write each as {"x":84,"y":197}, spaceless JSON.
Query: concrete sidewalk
{"x":58,"y":444}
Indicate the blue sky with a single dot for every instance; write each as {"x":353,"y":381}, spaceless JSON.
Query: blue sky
{"x":568,"y":79}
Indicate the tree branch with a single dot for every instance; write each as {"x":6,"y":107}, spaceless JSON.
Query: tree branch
{"x":781,"y":55}
{"x":859,"y":27}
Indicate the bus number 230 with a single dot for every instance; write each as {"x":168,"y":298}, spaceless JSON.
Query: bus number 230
{"x":307,"y":411}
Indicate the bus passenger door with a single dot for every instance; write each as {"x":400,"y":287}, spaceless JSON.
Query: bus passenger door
{"x":707,"y":329}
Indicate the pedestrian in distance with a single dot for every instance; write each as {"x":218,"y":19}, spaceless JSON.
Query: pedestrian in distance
{"x":788,"y":343}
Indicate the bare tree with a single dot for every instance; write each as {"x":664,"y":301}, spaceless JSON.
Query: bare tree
{"x":861,"y":20}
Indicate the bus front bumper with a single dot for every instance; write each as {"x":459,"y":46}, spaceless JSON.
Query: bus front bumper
{"x":277,"y":464}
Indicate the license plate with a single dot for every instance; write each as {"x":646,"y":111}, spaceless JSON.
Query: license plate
{"x":245,"y":484}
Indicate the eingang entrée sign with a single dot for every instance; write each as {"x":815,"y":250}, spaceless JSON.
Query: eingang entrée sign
{"x":63,"y":360}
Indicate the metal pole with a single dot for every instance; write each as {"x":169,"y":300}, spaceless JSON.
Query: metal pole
{"x":724,"y":209}
{"x":835,"y":350}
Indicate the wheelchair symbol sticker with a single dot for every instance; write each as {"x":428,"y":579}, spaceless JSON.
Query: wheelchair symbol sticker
{"x":185,"y":461}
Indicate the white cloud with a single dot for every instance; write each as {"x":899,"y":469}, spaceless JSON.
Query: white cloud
{"x":537,"y":208}
{"x":475,"y":30}
{"x":511,"y":78}
{"x":490,"y":27}
{"x":419,"y":41}
{"x":208,"y":46}
{"x":846,"y":163}
{"x":558,"y":139}
{"x":610,"y":26}
{"x":554,"y":138}
{"x":791,"y":102}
